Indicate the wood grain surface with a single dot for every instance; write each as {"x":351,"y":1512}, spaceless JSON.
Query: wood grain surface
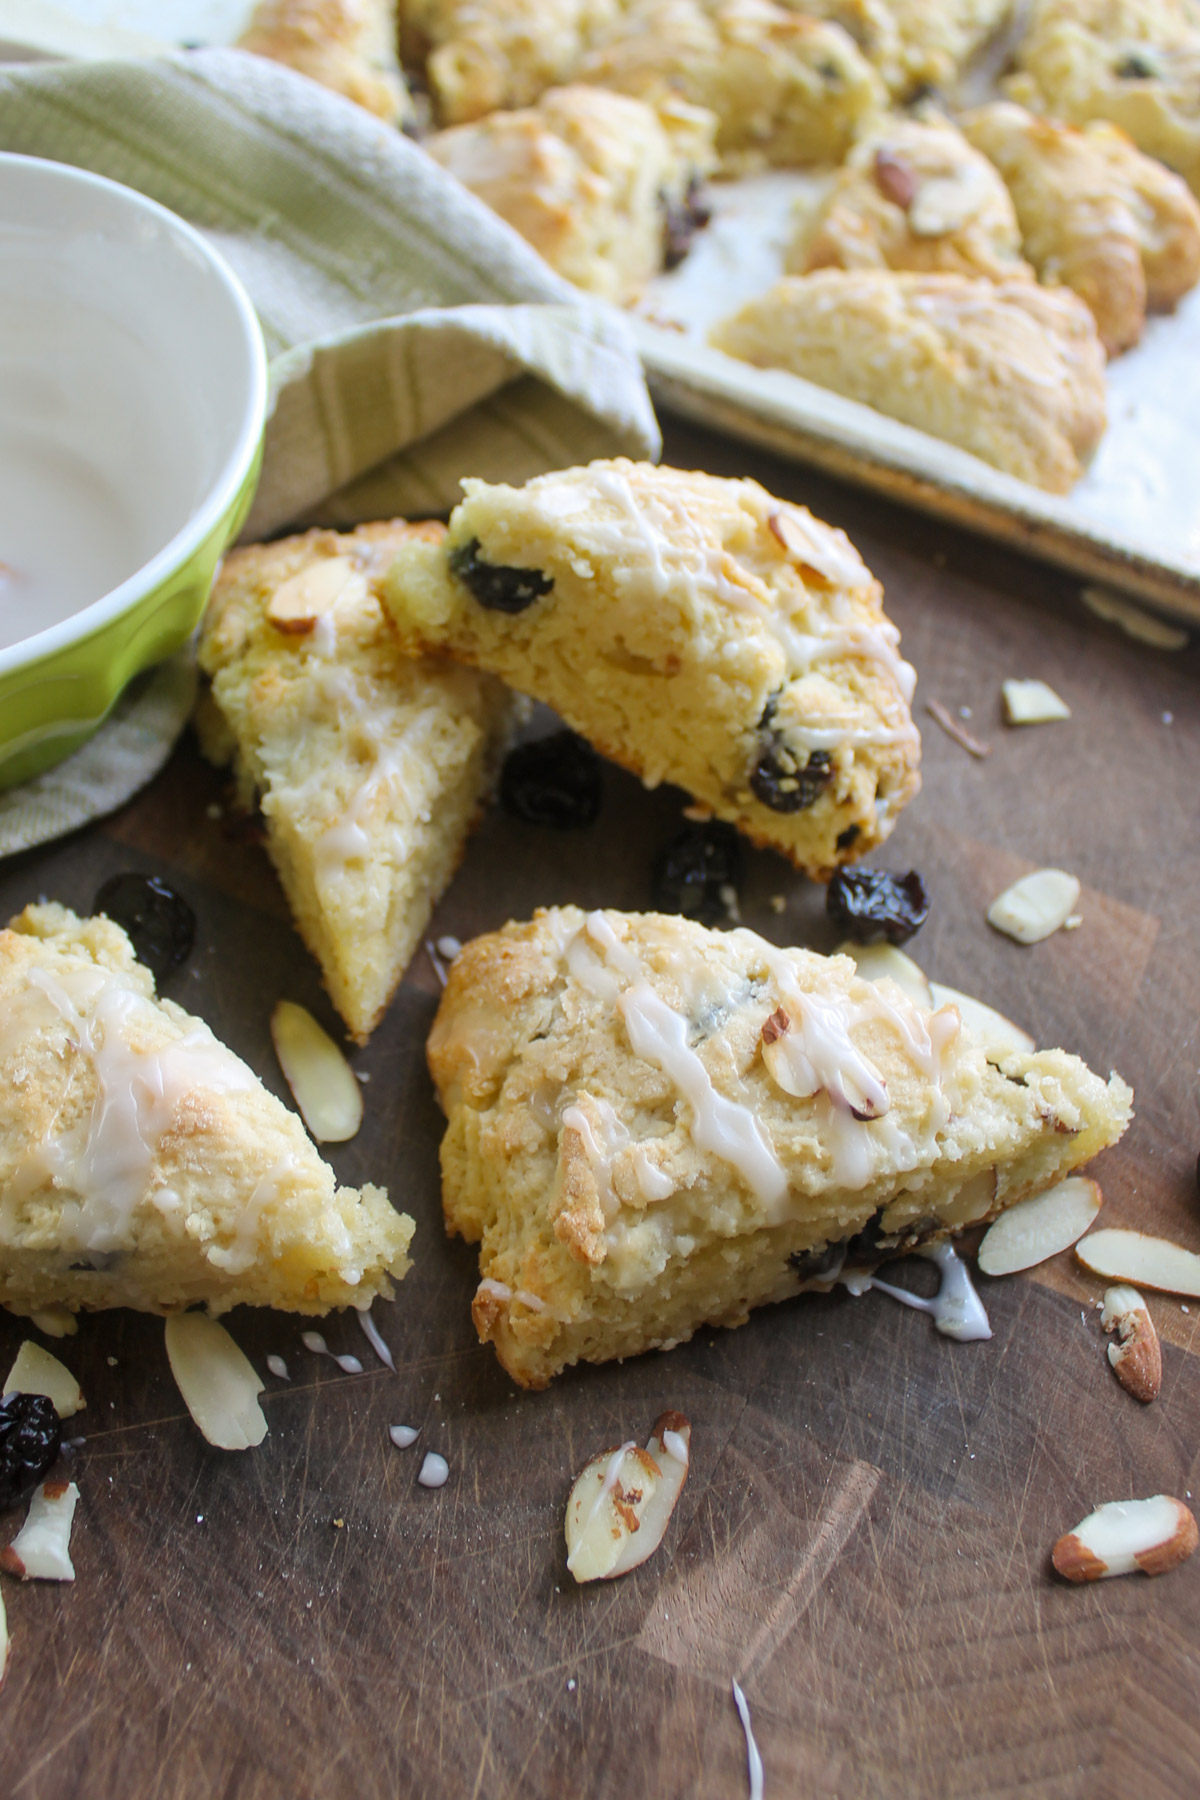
{"x":864,"y":1539}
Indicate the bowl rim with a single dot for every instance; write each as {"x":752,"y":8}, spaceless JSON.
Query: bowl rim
{"x":236,"y":466}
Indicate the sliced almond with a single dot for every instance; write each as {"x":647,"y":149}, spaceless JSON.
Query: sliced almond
{"x":1032,"y":703}
{"x":55,"y":1321}
{"x":1152,"y":1535}
{"x":981,"y":1020}
{"x":895,"y":178}
{"x":946,"y":203}
{"x":1035,"y":1230}
{"x":41,"y":1550}
{"x":35,"y":1371}
{"x":1136,"y":1357}
{"x":220,"y":1386}
{"x":1152,"y":1262}
{"x":786,"y":1062}
{"x":1036,"y":906}
{"x":299,"y":602}
{"x":954,"y":728}
{"x":822,"y":548}
{"x":875,"y":962}
{"x":321,"y":1080}
{"x":1143,"y":626}
{"x":620,"y":1506}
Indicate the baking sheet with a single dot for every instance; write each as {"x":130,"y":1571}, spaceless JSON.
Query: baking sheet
{"x":1134,"y":519}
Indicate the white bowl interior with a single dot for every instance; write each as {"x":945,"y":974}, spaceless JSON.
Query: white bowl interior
{"x":127,"y":374}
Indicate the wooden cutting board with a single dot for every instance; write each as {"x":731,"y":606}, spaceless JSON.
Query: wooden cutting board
{"x":863,"y":1542}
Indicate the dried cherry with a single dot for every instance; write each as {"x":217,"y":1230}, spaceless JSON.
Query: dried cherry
{"x":869,"y":904}
{"x":778,"y":778}
{"x":30,"y":1433}
{"x":497,"y":588}
{"x":698,"y":873}
{"x":554,"y":781}
{"x":682,"y":219}
{"x":158,"y":922}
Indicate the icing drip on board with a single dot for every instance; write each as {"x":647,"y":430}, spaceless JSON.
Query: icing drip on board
{"x":956,"y":1309}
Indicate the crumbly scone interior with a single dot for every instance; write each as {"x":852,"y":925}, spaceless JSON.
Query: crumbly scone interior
{"x":619,"y":1142}
{"x":369,"y":765}
{"x":695,"y":630}
{"x":143,"y":1164}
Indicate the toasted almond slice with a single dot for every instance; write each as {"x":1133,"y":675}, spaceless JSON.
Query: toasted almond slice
{"x":1152,"y":1535}
{"x":220,"y":1386}
{"x":854,"y":1084}
{"x":946,"y":203}
{"x":321,"y":1080}
{"x":35,"y":1371}
{"x":1035,"y":1230}
{"x":41,"y":1550}
{"x":1136,"y":1357}
{"x":786,"y":1063}
{"x":55,"y":1321}
{"x":875,"y":962}
{"x":1143,"y":626}
{"x":1032,"y":703}
{"x":1036,"y":906}
{"x":1153,"y":1262}
{"x":298,"y":603}
{"x":619,"y":1507}
{"x":981,"y":1020}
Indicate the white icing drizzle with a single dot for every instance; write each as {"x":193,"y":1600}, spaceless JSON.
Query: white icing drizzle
{"x":435,"y":1470}
{"x":243,"y":1252}
{"x":754,"y":1764}
{"x":374,"y":1337}
{"x":723,"y":1127}
{"x":676,"y":1446}
{"x":312,"y":1340}
{"x":404,"y":1435}
{"x":956,"y":1308}
{"x":601,"y":1150}
{"x":278,"y":1367}
{"x":500,"y":1290}
{"x":138,"y":1093}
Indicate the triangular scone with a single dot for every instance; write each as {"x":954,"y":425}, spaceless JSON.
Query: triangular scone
{"x":370,"y":765}
{"x":653,"y":1127}
{"x":696,"y":631}
{"x":143,"y":1164}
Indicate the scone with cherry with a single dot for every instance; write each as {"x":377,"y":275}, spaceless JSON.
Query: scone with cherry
{"x":143,"y":1164}
{"x":914,"y":44}
{"x":370,"y":766}
{"x":347,"y":45}
{"x":1096,"y":215}
{"x":602,"y":185}
{"x":695,"y":630}
{"x":1008,"y":370}
{"x":913,"y":194}
{"x":652,"y":1127}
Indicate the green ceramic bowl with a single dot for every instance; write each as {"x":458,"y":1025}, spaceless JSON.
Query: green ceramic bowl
{"x":133,"y":390}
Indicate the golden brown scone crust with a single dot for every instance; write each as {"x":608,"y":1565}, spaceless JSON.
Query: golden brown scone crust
{"x":370,"y":767}
{"x":913,"y":43}
{"x":484,"y":56}
{"x":695,"y":630}
{"x":913,"y":194}
{"x":143,"y":1164}
{"x":1135,"y":63}
{"x":632,"y":1169}
{"x":347,"y":45}
{"x":784,"y":89}
{"x":1008,"y":370}
{"x":1096,"y":214}
{"x":590,"y":179}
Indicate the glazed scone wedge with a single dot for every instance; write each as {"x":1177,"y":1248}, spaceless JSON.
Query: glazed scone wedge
{"x":369,"y":766}
{"x":1096,"y":215}
{"x":914,"y":44}
{"x":1134,"y":63}
{"x":596,"y":182}
{"x":143,"y":1164}
{"x":696,"y":631}
{"x":653,"y":1127}
{"x":1009,"y":370}
{"x":349,"y":46}
{"x":913,"y":194}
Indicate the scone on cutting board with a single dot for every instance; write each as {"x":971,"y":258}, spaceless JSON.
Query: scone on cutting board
{"x":695,"y":630}
{"x":370,"y":766}
{"x":653,"y":1127}
{"x":1008,"y":370}
{"x":143,"y":1164}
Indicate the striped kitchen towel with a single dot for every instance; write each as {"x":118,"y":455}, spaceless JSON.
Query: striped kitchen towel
{"x":414,"y":338}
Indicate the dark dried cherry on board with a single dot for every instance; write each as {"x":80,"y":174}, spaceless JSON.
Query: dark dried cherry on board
{"x":497,"y":588}
{"x":779,"y":779}
{"x":158,"y":922}
{"x":554,"y":781}
{"x":870,"y":904}
{"x":695,"y":873}
{"x":30,"y":1433}
{"x":682,"y":219}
